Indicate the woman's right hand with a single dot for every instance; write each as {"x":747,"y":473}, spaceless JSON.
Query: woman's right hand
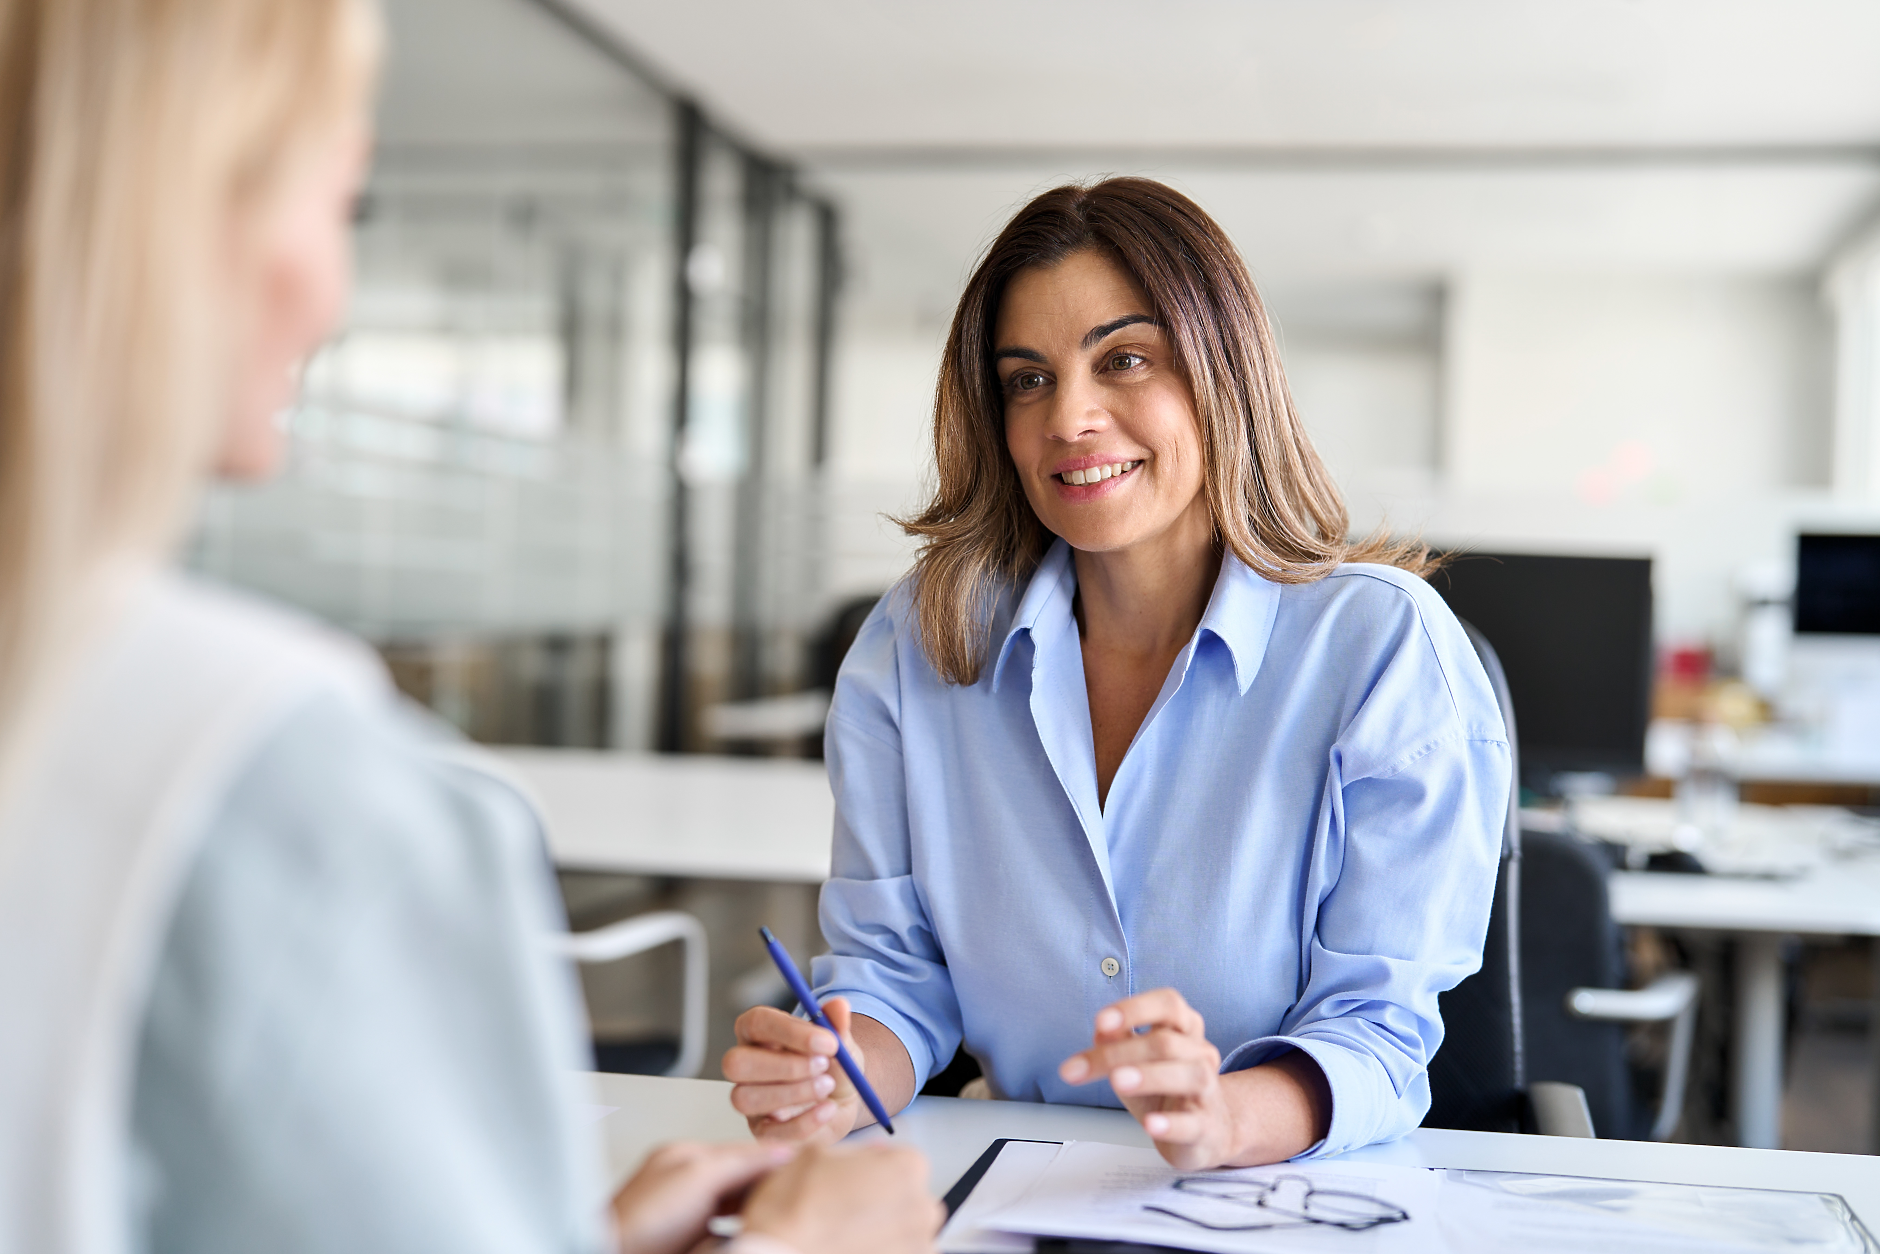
{"x":868,"y":1199}
{"x":786,"y":1080}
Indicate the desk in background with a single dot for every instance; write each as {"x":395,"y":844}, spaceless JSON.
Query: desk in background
{"x":1827,"y":883}
{"x":1783,"y":755}
{"x":1758,"y":915}
{"x":953,"y":1132}
{"x":681,"y":814}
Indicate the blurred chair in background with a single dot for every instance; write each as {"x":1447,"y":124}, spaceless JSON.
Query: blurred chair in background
{"x":1478,"y":1078}
{"x":1578,"y":1010}
{"x":792,"y":723}
{"x":636,"y":936}
{"x":638,"y":1053}
{"x":1548,"y":999}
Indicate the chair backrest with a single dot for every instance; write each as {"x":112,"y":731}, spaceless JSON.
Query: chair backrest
{"x":1478,"y":1079}
{"x":1569,"y":941}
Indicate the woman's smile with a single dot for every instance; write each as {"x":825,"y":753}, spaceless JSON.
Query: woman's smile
{"x":1087,"y":478}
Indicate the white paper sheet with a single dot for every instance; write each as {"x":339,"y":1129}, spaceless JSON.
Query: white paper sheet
{"x":1119,"y":1193}
{"x":1125,"y":1194}
{"x":1495,"y":1211}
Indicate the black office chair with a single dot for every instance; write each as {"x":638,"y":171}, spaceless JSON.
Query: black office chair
{"x":1573,"y":974}
{"x":1551,"y":960}
{"x":1478,"y":1079}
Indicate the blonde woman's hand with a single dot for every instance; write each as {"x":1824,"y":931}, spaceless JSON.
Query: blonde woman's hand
{"x":664,"y":1207}
{"x":864,"y":1199}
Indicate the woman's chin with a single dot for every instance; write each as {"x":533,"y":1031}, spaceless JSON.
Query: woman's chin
{"x":1102,"y":539}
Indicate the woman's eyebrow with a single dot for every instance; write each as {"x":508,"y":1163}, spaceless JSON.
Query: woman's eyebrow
{"x":1096,"y":335}
{"x":1025,"y":354}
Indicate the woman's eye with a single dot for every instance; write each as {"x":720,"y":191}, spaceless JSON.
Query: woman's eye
{"x":1025,"y":381}
{"x":1125,"y":361}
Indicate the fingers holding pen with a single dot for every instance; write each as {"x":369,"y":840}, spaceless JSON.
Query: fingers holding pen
{"x":776,"y":1097}
{"x":769,"y":1028}
{"x":785,"y":1080}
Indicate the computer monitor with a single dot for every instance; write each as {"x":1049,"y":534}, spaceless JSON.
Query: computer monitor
{"x":1574,"y":635}
{"x":1837,"y":585}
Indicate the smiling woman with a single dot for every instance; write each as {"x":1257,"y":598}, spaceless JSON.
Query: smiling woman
{"x":1171,"y":273}
{"x":1151,"y":786}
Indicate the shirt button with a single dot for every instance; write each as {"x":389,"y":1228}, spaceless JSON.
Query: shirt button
{"x":1110,"y":967}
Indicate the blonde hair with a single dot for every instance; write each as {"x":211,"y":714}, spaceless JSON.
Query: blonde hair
{"x":135,"y":136}
{"x":1273,"y":504}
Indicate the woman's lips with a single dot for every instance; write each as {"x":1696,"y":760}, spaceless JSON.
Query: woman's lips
{"x":1097,"y":480}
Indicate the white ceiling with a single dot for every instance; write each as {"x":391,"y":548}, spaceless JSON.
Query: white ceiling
{"x":1339,"y":140}
{"x":1352,"y":72}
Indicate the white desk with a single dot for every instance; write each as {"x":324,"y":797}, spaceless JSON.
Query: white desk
{"x":692,"y":815}
{"x":953,"y":1133}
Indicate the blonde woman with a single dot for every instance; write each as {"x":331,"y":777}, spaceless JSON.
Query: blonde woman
{"x":1151,"y":786}
{"x":271,"y":976}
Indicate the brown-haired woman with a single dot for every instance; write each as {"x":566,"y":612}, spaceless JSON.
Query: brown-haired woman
{"x":1144,"y":742}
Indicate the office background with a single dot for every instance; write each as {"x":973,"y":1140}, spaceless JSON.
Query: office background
{"x":651,"y":299}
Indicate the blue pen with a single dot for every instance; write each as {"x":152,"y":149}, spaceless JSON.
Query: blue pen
{"x":800,"y":986}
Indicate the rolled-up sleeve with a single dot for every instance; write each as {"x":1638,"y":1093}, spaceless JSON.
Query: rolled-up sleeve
{"x":884,"y":957}
{"x":1412,"y":849}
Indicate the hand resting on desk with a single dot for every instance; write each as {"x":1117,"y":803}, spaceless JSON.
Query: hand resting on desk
{"x":860,"y":1200}
{"x":1154,"y":1050}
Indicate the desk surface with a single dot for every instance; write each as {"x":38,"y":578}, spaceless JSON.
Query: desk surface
{"x":1779,"y":753}
{"x":953,"y":1133}
{"x":683,"y":814}
{"x":1836,"y":899}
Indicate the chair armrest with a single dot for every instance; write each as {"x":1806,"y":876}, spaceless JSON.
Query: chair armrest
{"x":1560,"y":1109}
{"x":632,"y":936}
{"x":649,"y":931}
{"x":1665,"y":998}
{"x":1670,"y":998}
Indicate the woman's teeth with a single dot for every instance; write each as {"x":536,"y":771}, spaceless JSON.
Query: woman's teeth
{"x":1097,"y":474}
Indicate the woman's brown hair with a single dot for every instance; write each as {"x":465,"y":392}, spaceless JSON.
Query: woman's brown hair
{"x":1274,"y":505}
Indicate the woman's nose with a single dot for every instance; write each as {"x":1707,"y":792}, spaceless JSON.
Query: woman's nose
{"x":1078,"y":410}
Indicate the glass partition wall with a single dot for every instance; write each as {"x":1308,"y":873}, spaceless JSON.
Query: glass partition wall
{"x":562,"y":463}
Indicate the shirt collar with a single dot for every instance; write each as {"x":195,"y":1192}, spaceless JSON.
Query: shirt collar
{"x":1240,"y":612}
{"x":1052,"y":584}
{"x":1240,"y":615}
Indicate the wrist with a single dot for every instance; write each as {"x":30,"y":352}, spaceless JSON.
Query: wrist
{"x":1244,"y":1130}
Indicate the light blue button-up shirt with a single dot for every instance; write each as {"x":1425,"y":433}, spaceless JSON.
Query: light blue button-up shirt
{"x":1302,"y":838}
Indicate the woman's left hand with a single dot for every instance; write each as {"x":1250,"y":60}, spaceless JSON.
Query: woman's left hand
{"x":664,"y":1208}
{"x":1167,"y":1073}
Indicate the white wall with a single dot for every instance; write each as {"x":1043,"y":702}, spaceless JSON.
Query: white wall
{"x":1669,"y":389}
{"x":1682,"y":417}
{"x":1371,"y":409}
{"x":880,"y":447}
{"x":1853,"y":288}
